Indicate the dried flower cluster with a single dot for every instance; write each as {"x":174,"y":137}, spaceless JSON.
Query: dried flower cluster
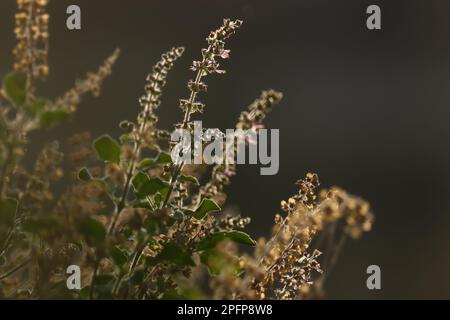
{"x":248,"y":120}
{"x":22,"y":110}
{"x":208,"y":65}
{"x":288,"y":266}
{"x":287,"y":259}
{"x":32,"y":40}
{"x":91,"y":84}
{"x":144,"y":227}
{"x":145,"y":134}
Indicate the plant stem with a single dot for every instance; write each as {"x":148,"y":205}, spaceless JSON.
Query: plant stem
{"x":187,"y":117}
{"x":4,"y":171}
{"x":94,"y":277}
{"x":143,"y":286}
{"x":116,"y":287}
{"x":29,"y":82}
{"x":123,"y":198}
{"x":334,"y":256}
{"x":137,"y":255}
{"x":129,"y":175}
{"x":14,"y":270}
{"x":174,"y":177}
{"x":7,"y":240}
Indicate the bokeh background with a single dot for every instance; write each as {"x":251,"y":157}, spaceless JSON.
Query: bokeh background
{"x":366,"y":110}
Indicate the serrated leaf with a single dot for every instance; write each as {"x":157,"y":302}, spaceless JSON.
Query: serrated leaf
{"x":139,"y":180}
{"x":145,"y":186}
{"x":48,"y":119}
{"x":119,"y":256}
{"x":107,"y":149}
{"x":190,"y":179}
{"x":8,"y":209}
{"x":92,"y":229}
{"x":146,"y":163}
{"x":175,"y":254}
{"x":205,"y":207}
{"x":14,"y":86}
{"x":84,"y":174}
{"x":162,"y":158}
{"x":236,"y":236}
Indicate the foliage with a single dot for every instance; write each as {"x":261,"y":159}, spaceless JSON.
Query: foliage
{"x":146,"y":227}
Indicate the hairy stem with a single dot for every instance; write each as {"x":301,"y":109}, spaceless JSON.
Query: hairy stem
{"x":187,"y":117}
{"x":30,"y":45}
{"x":131,"y":167}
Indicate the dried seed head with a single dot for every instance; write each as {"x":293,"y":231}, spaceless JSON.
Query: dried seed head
{"x":31,"y":49}
{"x":258,"y":110}
{"x":92,"y":83}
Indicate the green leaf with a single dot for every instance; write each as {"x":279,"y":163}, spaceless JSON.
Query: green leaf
{"x":146,"y":163}
{"x":145,"y":186}
{"x":48,"y":119}
{"x":158,"y":198}
{"x":2,"y":261}
{"x":107,"y":149}
{"x":236,"y":236}
{"x":14,"y":86}
{"x":8,"y":209}
{"x":151,"y":225}
{"x":93,"y":229}
{"x":188,"y":212}
{"x":139,"y":180}
{"x":162,"y":158}
{"x":84,"y":174}
{"x":205,"y":207}
{"x":175,"y":254}
{"x":119,"y":256}
{"x":190,"y":179}
{"x":217,"y":263}
{"x":125,"y":138}
{"x":143,"y":204}
{"x":38,"y":106}
{"x":43,"y":226}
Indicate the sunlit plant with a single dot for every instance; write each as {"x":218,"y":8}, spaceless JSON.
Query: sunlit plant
{"x":137,"y":223}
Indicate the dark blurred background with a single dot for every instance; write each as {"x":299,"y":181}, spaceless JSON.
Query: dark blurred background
{"x":366,"y":110}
